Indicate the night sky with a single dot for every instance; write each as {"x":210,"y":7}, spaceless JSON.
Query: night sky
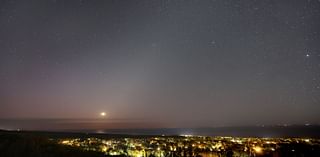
{"x":172,"y":63}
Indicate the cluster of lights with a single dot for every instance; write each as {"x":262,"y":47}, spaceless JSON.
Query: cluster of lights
{"x":162,"y":145}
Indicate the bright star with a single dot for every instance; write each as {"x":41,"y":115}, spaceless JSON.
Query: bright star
{"x":103,"y":114}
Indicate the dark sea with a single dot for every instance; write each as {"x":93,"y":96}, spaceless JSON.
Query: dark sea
{"x":246,"y":131}
{"x":100,"y":127}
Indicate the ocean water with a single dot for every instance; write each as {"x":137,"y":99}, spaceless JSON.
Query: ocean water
{"x":94,"y":126}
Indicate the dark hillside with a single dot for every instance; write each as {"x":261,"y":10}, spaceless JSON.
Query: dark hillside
{"x":26,"y":145}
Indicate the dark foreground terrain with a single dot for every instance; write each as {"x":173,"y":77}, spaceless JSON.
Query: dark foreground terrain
{"x":14,"y":144}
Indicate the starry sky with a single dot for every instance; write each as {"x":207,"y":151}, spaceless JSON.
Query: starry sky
{"x":168,"y":63}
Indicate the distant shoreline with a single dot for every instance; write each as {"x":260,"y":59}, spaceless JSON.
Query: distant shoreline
{"x":299,"y":131}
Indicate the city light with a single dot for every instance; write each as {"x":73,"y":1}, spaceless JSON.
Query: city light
{"x":161,"y":146}
{"x":257,"y":149}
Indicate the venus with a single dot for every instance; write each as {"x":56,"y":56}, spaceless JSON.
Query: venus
{"x":103,"y":114}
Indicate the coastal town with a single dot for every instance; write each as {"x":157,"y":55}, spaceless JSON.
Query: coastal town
{"x":189,"y":146}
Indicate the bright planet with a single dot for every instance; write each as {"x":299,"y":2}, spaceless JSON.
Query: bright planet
{"x":103,"y":114}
